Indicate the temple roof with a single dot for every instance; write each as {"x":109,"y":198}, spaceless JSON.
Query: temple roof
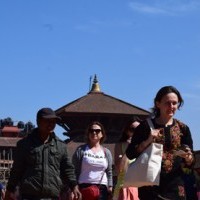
{"x":98,"y":102}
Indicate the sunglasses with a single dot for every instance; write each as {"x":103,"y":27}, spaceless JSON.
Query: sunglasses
{"x":95,"y":130}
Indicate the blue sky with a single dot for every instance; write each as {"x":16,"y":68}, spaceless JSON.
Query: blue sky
{"x":49,"y":49}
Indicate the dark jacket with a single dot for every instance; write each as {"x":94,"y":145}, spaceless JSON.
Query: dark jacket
{"x":40,"y":169}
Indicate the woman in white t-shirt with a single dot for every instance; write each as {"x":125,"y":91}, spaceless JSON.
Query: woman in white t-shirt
{"x":93,"y":162}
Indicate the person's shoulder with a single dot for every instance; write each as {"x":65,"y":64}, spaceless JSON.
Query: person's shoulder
{"x":82,"y":147}
{"x":60,"y":140}
{"x":180,"y":123}
{"x":107,"y":153}
{"x":184,"y":127}
{"x":24,"y":140}
{"x":80,"y":150}
{"x":106,"y":150}
{"x":144,"y":125}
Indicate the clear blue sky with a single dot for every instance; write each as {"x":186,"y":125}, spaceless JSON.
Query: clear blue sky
{"x":49,"y":49}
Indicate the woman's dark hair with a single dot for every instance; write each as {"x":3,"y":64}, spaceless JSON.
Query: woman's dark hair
{"x":124,"y":136}
{"x":161,"y":93}
{"x":102,"y":131}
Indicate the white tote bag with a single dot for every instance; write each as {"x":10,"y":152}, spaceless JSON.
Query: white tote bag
{"x":145,"y":170}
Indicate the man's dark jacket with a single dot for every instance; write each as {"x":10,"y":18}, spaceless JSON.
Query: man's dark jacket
{"x":40,"y":169}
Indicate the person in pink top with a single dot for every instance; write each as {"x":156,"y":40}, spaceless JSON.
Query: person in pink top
{"x":121,"y":164}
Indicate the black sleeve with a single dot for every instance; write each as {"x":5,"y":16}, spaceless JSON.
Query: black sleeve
{"x":141,"y":134}
{"x":187,"y":137}
{"x":67,"y":170}
{"x":18,"y":167}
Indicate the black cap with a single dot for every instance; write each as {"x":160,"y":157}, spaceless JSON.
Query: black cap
{"x":47,"y":113}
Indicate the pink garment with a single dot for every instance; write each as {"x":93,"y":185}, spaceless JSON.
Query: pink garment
{"x":130,"y":193}
{"x":198,"y":195}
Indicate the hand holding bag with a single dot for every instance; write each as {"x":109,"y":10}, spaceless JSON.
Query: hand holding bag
{"x":145,"y":170}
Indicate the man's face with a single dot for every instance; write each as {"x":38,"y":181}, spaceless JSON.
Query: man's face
{"x":46,"y":125}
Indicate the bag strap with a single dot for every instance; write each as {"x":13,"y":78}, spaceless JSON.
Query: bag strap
{"x":104,"y":150}
{"x":150,"y":123}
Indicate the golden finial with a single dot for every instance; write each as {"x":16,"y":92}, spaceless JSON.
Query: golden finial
{"x":95,"y":85}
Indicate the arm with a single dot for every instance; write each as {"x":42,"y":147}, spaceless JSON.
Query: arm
{"x":17,"y":170}
{"x":118,"y":156}
{"x":144,"y":144}
{"x":67,"y":169}
{"x":121,"y":160}
{"x":77,"y":194}
{"x":18,"y":167}
{"x":77,"y":160}
{"x":68,"y":174}
{"x":141,"y":139}
{"x":109,"y":171}
{"x":187,"y":140}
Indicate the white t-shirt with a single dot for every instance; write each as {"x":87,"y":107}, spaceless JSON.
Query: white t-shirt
{"x":93,"y":167}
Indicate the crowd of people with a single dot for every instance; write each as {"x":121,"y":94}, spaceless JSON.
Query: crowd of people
{"x":42,"y":168}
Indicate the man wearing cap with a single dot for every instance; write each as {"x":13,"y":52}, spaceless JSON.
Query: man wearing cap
{"x":41,"y":163}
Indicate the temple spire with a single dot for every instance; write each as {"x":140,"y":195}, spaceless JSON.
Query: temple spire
{"x":95,"y":85}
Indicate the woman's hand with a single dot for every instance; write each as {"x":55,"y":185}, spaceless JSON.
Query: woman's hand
{"x":154,"y":134}
{"x":76,"y":193}
{"x":152,"y":138}
{"x":186,"y":154}
{"x":110,"y":189}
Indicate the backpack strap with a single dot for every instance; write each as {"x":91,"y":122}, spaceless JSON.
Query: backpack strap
{"x":105,"y":152}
